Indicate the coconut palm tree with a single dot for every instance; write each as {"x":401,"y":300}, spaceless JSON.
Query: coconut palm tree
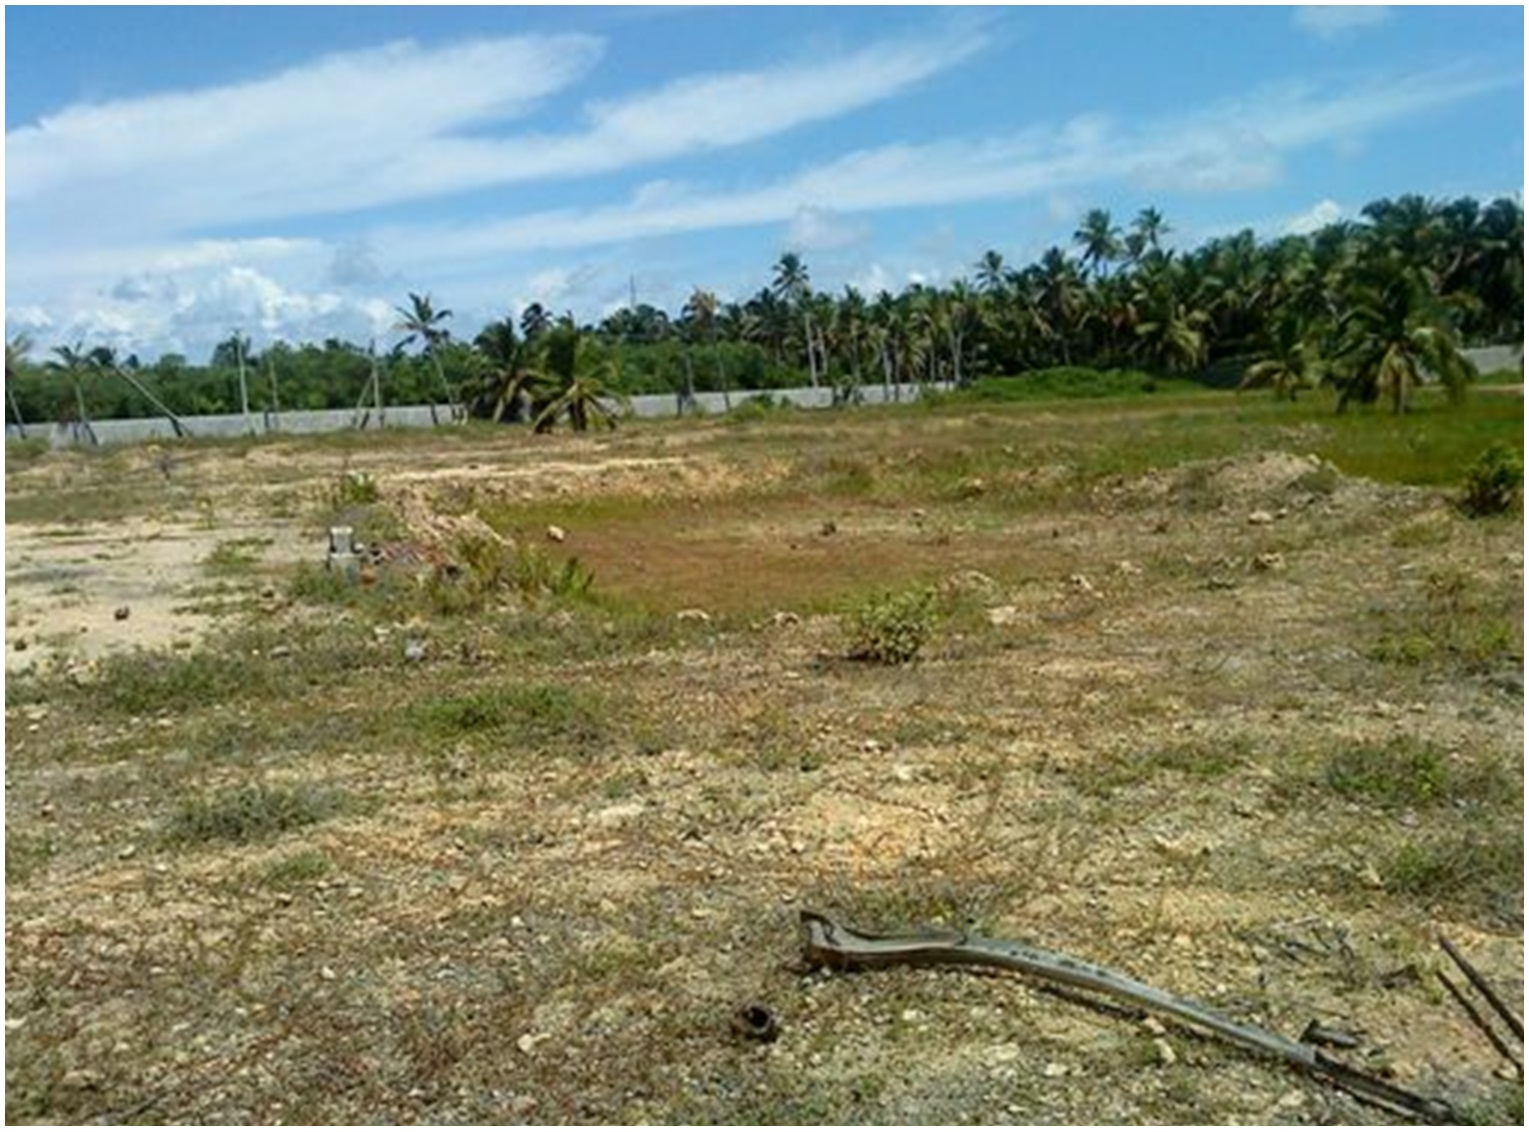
{"x":73,"y":362}
{"x":16,"y":351}
{"x":575,"y":381}
{"x":420,"y":321}
{"x":1099,"y":239}
{"x":505,"y":377}
{"x":793,"y":286}
{"x":701,"y":309}
{"x":1393,"y":337}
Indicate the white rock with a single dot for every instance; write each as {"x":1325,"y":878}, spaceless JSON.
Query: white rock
{"x":556,"y":533}
{"x":1260,"y":518}
{"x":1054,"y":1069}
{"x":1165,"y":1052}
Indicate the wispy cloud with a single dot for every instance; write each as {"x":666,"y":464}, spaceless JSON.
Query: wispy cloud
{"x":1238,"y":145}
{"x":1329,"y":21}
{"x":403,"y":122}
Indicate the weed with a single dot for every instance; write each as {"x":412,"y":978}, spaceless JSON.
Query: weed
{"x":237,"y":556}
{"x":545,"y":717}
{"x":485,"y":570}
{"x":352,"y":489}
{"x":302,"y":867}
{"x":1481,"y":869}
{"x":252,"y":813}
{"x":1398,"y":774}
{"x":1419,"y":534}
{"x":25,"y":854}
{"x":1494,"y":483}
{"x":147,"y":682}
{"x":1199,"y":760}
{"x":1455,"y":622}
{"x":891,"y":628}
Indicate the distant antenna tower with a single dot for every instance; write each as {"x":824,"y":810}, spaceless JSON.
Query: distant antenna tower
{"x":632,"y":283}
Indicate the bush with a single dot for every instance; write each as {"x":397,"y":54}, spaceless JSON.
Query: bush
{"x":892,"y":628}
{"x":1493,"y":483}
{"x":251,"y":813}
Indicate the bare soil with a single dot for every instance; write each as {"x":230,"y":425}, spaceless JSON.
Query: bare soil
{"x":1126,"y":739}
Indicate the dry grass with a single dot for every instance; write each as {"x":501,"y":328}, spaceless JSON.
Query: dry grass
{"x":298,"y":873}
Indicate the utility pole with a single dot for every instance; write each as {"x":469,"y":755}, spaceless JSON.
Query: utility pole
{"x":270,"y":371}
{"x":244,"y":391}
{"x":376,"y":383}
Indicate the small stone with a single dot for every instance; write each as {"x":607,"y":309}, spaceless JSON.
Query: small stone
{"x":1130,"y":569}
{"x":1292,"y":1099}
{"x":278,"y":651}
{"x":999,"y":1054}
{"x":82,"y":1079}
{"x":1153,"y":1026}
{"x":126,"y":851}
{"x":696,"y":615}
{"x":904,"y":773}
{"x":828,"y":528}
{"x":913,"y":1014}
{"x":327,"y":974}
{"x":1370,"y":875}
{"x":414,"y":650}
{"x":1002,"y":615}
{"x":1165,"y":1054}
{"x":13,"y":1024}
{"x":1269,"y":562}
{"x":1054,"y":1069}
{"x":1081,"y":583}
{"x":121,"y":613}
{"x":1260,"y":518}
{"x":557,"y":534}
{"x":527,"y":1043}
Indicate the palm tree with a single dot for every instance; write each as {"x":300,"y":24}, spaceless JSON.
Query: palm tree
{"x":1393,"y":337}
{"x":420,"y":321}
{"x":793,"y":287}
{"x":702,"y":310}
{"x":74,"y":363}
{"x":505,"y":379}
{"x":1099,"y":239}
{"x":16,"y":351}
{"x":103,"y":360}
{"x":1291,"y":361}
{"x":575,"y":380}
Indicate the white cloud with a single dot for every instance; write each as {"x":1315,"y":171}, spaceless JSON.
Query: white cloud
{"x":369,"y":128}
{"x":1328,"y":21}
{"x":1319,"y":215}
{"x":814,"y":229}
{"x":1235,"y":146}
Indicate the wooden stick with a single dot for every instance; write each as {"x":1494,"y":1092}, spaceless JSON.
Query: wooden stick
{"x":1478,"y":980}
{"x":1481,"y":1023}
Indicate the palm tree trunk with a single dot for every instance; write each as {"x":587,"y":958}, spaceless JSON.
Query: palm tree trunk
{"x":21,"y":425}
{"x":812,"y":366}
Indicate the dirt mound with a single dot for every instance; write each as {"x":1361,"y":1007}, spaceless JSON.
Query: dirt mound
{"x":1264,"y":481}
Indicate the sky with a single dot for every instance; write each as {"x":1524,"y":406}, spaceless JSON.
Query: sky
{"x":173,"y":174}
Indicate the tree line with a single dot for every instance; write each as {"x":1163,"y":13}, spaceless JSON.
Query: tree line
{"x":1370,"y":307}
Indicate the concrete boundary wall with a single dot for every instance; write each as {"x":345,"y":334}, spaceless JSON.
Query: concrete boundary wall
{"x":1488,"y":359}
{"x":138,"y":430}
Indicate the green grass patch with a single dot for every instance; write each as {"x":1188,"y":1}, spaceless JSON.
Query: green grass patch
{"x":1399,"y":774}
{"x":148,"y":682}
{"x":1204,"y":760}
{"x":26,"y":854}
{"x":891,"y":628}
{"x":252,"y":813}
{"x":1479,"y":870}
{"x":541,"y":717}
{"x":303,"y":867}
{"x":235,"y":557}
{"x":1068,"y":383}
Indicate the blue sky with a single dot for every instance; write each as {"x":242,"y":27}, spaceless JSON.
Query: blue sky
{"x":174,"y":173}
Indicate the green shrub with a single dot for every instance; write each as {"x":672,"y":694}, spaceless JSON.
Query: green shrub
{"x":1400,"y":773}
{"x":1494,"y":483}
{"x":251,"y":813}
{"x":541,"y":716}
{"x":891,"y":628}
